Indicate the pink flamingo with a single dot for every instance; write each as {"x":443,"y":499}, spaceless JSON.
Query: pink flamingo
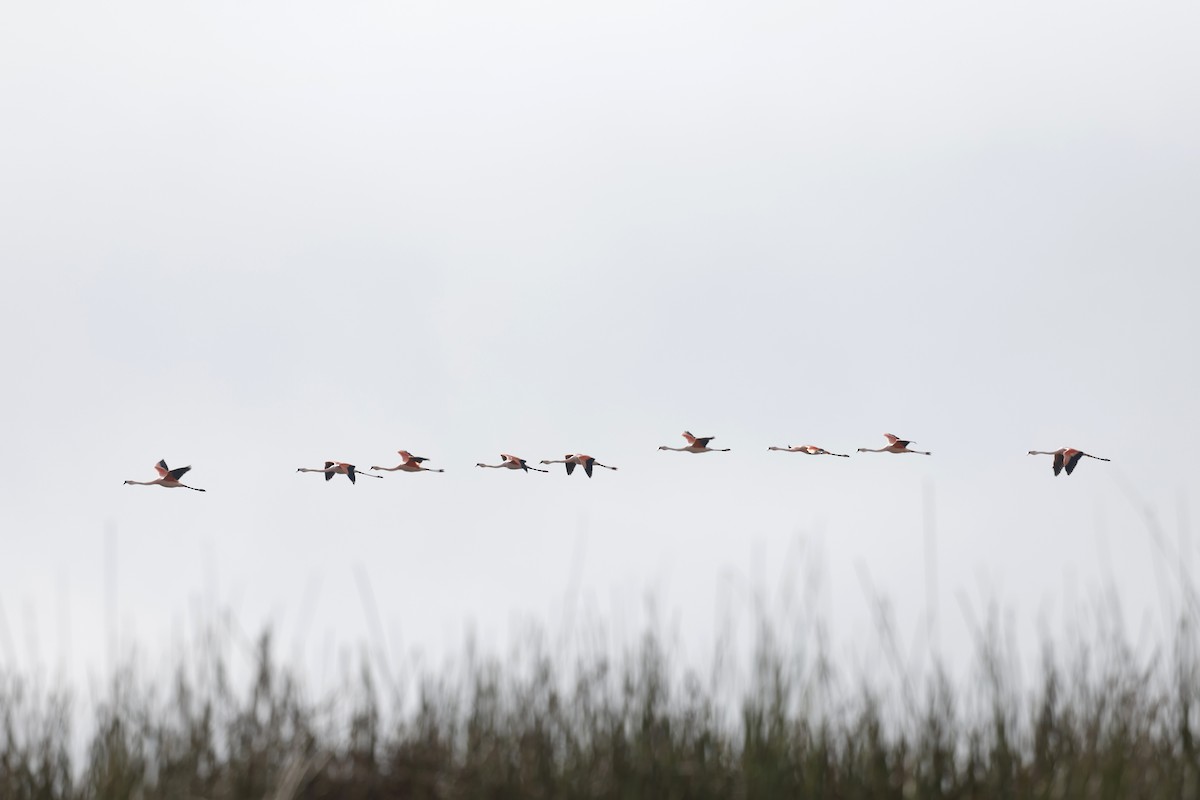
{"x":1065,"y":457}
{"x":339,"y":468}
{"x":573,"y":460}
{"x":895,"y":445}
{"x":410,"y":463}
{"x":511,"y":462}
{"x":168,"y":478}
{"x":810,"y":449}
{"x":696,"y":444}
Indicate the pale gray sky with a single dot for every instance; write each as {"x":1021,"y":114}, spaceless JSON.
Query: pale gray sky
{"x":253,"y":236}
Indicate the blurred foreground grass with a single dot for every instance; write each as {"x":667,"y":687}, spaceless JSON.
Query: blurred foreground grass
{"x":1101,"y":722}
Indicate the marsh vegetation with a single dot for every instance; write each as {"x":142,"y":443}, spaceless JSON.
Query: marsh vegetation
{"x":1101,"y":721}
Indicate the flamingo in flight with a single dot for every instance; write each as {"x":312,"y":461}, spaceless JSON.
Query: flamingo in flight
{"x":511,"y":462}
{"x":1066,"y":457}
{"x":339,"y":468}
{"x":810,"y":449}
{"x":573,"y":460}
{"x":895,"y":445}
{"x":410,"y":463}
{"x":696,"y":444}
{"x":168,"y":478}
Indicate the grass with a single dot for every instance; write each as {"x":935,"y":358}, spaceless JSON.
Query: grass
{"x":1101,"y":722}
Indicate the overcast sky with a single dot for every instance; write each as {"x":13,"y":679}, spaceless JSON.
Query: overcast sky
{"x":251,"y":237}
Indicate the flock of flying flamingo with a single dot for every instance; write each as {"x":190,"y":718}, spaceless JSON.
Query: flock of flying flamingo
{"x":1065,"y":458}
